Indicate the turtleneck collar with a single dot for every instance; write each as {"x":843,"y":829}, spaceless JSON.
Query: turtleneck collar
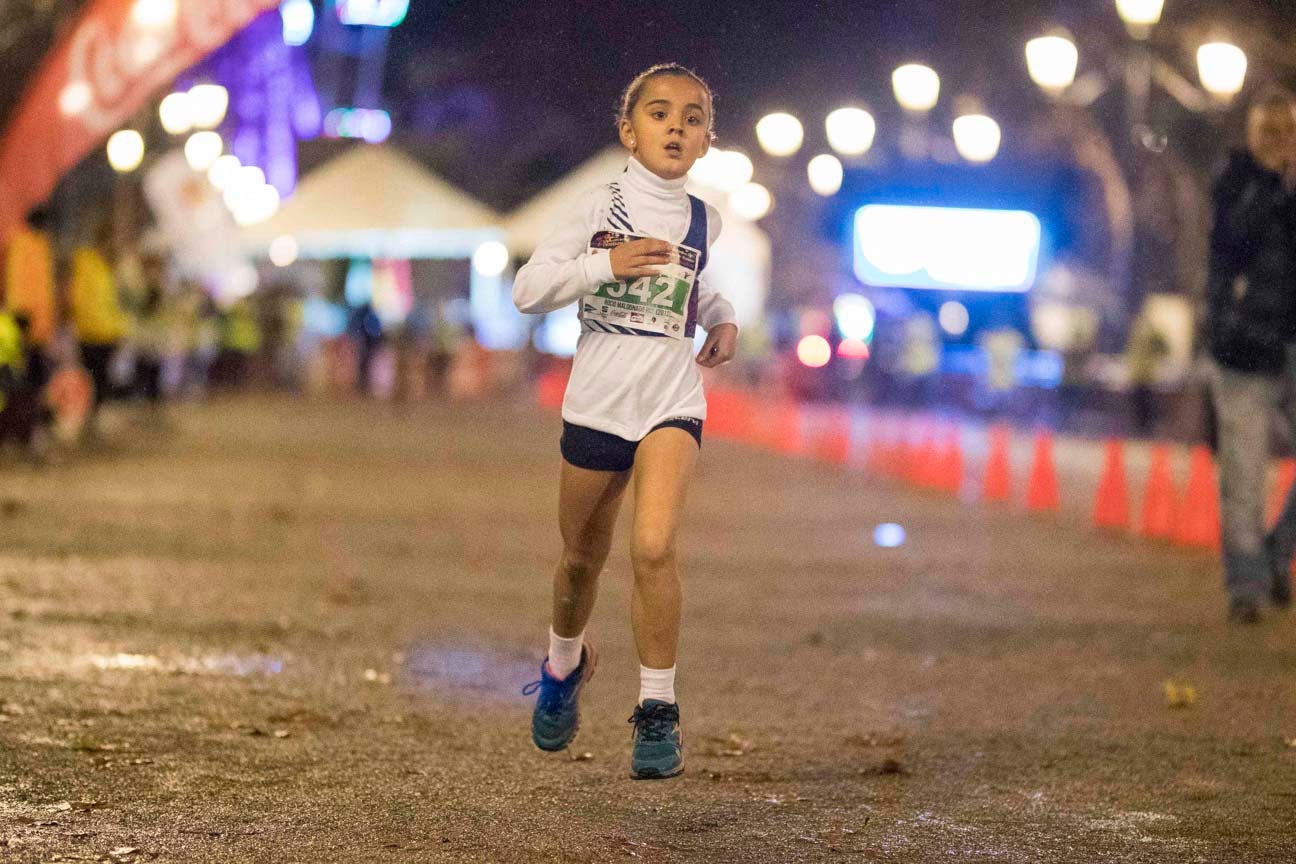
{"x":648,"y":182}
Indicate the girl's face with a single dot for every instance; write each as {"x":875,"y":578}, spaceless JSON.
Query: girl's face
{"x":669,"y":127}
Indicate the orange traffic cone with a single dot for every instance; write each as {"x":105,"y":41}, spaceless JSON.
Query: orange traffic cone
{"x":1112,"y":508}
{"x":788,"y":435}
{"x":1160,"y":502}
{"x":924,"y":466}
{"x":1200,"y":525}
{"x":834,"y":442}
{"x":950,"y":477}
{"x":998,"y":474}
{"x":1042,"y":492}
{"x":1281,"y":489}
{"x":550,"y":389}
{"x":720,"y":412}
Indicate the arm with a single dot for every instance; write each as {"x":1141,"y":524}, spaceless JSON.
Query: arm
{"x":713,"y":308}
{"x":562,"y":270}
{"x":715,"y":313}
{"x":1226,"y":240}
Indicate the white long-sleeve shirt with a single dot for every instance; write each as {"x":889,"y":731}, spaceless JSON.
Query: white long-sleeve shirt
{"x":622,"y":384}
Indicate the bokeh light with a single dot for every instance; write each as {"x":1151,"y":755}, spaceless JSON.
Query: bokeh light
{"x":855,"y":316}
{"x":825,"y":174}
{"x":780,"y":134}
{"x":889,"y":535}
{"x":284,"y":251}
{"x":491,"y":258}
{"x":850,"y":131}
{"x":954,"y":318}
{"x":751,"y":201}
{"x":125,"y":151}
{"x":814,"y":351}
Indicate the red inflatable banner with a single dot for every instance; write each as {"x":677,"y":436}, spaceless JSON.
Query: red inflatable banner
{"x":103,"y":69}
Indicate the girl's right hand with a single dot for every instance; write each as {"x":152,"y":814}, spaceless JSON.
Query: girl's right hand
{"x":640,"y":257}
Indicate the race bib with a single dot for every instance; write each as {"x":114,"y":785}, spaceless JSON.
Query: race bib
{"x":651,"y":304}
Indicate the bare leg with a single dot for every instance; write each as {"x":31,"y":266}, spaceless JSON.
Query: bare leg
{"x":587,"y":509}
{"x":663,"y":468}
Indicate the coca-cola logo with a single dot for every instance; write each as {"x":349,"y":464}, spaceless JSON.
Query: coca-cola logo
{"x":109,"y":60}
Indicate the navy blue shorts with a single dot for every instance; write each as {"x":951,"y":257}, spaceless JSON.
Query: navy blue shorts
{"x":602,"y":451}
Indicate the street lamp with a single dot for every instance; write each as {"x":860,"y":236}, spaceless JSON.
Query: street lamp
{"x":1140,"y":16}
{"x":203,"y":149}
{"x":917,"y":87}
{"x":731,"y":170}
{"x":1222,"y":68}
{"x":751,"y":201}
{"x":779,"y":134}
{"x":125,"y":151}
{"x":825,"y":173}
{"x":977,"y":137}
{"x":208,"y":104}
{"x":850,"y":131}
{"x":176,"y":114}
{"x":224,"y":170}
{"x":491,"y":258}
{"x":1052,"y":61}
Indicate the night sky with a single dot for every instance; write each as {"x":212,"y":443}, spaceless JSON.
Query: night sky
{"x":503,"y":98}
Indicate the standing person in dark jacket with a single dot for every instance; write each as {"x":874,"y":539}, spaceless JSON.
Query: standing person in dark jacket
{"x":1251,"y":327}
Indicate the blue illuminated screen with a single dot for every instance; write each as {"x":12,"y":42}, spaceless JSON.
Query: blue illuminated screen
{"x":946,"y":248}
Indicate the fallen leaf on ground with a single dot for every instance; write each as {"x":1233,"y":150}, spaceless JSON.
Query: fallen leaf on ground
{"x":736,"y":745}
{"x":1179,"y":695}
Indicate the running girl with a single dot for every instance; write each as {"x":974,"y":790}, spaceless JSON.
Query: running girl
{"x":631,"y":256}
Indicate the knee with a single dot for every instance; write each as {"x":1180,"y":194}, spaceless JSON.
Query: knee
{"x":652,"y":553}
{"x":583,"y":563}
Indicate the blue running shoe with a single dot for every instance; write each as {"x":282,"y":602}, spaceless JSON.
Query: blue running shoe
{"x":658,"y":746}
{"x":557,"y":712}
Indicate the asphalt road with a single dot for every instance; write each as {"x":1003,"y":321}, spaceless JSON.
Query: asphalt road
{"x":298,"y":631}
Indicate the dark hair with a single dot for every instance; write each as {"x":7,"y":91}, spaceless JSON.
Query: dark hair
{"x":38,"y":218}
{"x":631,"y":95}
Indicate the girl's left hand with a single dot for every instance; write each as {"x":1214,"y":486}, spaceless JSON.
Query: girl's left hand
{"x":720,"y":345}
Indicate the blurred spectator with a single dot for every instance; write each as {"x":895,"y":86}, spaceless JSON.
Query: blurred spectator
{"x":1002,"y":346}
{"x":154,"y":326}
{"x":23,"y":416}
{"x":96,"y":312}
{"x":1251,"y":325}
{"x":240,"y":339}
{"x":368,"y":333}
{"x":29,"y":289}
{"x":920,"y":359}
{"x":1144,"y":355}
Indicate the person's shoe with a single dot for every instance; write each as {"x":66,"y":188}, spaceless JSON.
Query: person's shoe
{"x":658,"y":746}
{"x":1280,"y":586}
{"x":1244,"y":610}
{"x":557,"y":711}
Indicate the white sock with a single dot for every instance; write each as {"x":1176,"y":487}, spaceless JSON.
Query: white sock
{"x":564,"y":654}
{"x":657,"y":684}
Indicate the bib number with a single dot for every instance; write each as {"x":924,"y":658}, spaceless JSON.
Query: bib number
{"x":647,"y":304}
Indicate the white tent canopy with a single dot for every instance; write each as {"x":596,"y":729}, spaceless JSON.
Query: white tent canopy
{"x":739,"y":264}
{"x":376,"y":202}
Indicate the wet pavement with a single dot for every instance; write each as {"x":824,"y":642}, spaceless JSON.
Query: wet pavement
{"x":298,"y":631}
